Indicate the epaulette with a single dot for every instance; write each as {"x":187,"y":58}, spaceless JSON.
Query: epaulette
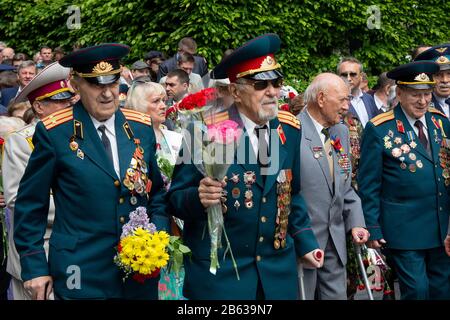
{"x":27,"y":131}
{"x":137,"y":116}
{"x":288,"y":118}
{"x":216,"y":118}
{"x":382,"y":118}
{"x":58,"y":117}
{"x":434,"y":110}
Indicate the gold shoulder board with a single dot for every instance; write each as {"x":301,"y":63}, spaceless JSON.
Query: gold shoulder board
{"x":382,"y":118}
{"x":58,"y":117}
{"x":288,"y":118}
{"x":137,"y":116}
{"x":434,"y":110}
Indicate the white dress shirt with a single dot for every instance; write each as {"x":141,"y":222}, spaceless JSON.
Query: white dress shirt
{"x":111,"y":134}
{"x":360,"y":108}
{"x":250,"y":128}
{"x":379,"y":103}
{"x":443,"y":105}
{"x":318,"y":127}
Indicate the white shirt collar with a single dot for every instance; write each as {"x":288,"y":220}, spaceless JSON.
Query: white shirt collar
{"x":379,"y":103}
{"x":441,"y":100}
{"x":249,"y":124}
{"x":412,"y":120}
{"x":317,"y":125}
{"x":109,"y":124}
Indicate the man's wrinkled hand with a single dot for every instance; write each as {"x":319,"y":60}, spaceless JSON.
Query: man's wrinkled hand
{"x":360,"y":235}
{"x":39,"y":288}
{"x":447,"y":245}
{"x":313,"y":259}
{"x":210,"y":191}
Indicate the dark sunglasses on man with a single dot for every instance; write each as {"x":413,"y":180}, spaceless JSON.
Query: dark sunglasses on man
{"x":346,"y":74}
{"x":263,"y":84}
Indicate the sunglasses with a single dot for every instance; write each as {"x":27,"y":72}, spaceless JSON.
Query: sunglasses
{"x":263,"y":84}
{"x":346,"y":74}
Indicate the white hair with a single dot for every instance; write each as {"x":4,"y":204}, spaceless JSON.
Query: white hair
{"x":140,"y":92}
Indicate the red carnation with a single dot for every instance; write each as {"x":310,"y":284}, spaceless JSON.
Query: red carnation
{"x":284,"y":107}
{"x":2,"y":141}
{"x":291,"y":95}
{"x":142,"y":277}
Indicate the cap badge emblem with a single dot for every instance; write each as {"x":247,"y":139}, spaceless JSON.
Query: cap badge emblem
{"x":441,"y":50}
{"x":102,"y":67}
{"x":442,"y":59}
{"x":422,"y":77}
{"x":268,"y":62}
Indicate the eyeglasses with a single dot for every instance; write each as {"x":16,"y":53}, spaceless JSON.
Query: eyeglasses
{"x":259,"y":85}
{"x":346,"y":74}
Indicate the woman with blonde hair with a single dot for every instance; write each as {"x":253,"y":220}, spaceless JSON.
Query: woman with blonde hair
{"x":149,"y":98}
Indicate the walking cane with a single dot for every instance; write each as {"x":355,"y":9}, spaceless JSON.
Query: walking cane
{"x":301,"y":281}
{"x":363,"y":271}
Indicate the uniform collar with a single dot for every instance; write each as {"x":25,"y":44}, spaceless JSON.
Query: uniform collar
{"x":412,"y":121}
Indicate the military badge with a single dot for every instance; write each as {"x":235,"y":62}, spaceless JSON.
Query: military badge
{"x":405,"y":148}
{"x":235,"y":178}
{"x":391,"y":133}
{"x":398,"y":140}
{"x":284,"y":179}
{"x":237,"y":205}
{"x":413,"y":144}
{"x":400,"y":127}
{"x":444,"y":160}
{"x":388,"y":144}
{"x":136,"y":178}
{"x":419,"y":164}
{"x":396,"y":152}
{"x":412,"y":156}
{"x":80,"y":154}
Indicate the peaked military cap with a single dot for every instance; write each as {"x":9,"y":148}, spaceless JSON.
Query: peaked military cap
{"x":50,"y":83}
{"x":98,"y":64}
{"x":439,"y":54}
{"x":255,"y":60}
{"x":416,"y":74}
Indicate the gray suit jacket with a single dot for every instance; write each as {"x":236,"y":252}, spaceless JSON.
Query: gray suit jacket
{"x":334,"y":209}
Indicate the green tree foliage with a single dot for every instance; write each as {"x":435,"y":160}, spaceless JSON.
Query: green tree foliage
{"x":315,"y":34}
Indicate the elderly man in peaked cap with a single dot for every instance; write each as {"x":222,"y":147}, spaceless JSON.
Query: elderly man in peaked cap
{"x":82,"y":153}
{"x":441,"y":94}
{"x":403,"y":179}
{"x":266,"y":236}
{"x":48,"y":92}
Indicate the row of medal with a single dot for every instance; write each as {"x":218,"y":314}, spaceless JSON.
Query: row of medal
{"x":284,"y":208}
{"x":444,"y":159}
{"x":249,"y":180}
{"x":402,"y":151}
{"x":136,"y":178}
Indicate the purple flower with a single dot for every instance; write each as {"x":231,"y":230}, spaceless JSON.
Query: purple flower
{"x":138,"y":218}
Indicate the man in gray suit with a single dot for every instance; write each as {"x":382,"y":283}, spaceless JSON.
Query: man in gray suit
{"x":325,"y":171}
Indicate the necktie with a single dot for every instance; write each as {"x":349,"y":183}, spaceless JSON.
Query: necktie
{"x":422,"y":137}
{"x":328,"y":151}
{"x":105,"y":141}
{"x":263,"y":148}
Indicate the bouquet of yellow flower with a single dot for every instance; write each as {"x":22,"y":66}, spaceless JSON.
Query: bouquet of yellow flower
{"x":143,"y":251}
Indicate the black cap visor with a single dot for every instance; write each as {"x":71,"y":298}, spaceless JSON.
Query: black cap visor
{"x":103,"y":79}
{"x":266,"y":75}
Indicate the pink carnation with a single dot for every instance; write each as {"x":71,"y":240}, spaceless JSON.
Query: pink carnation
{"x":224,"y":132}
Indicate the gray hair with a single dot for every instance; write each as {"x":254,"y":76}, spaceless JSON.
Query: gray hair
{"x":349,"y":59}
{"x":321,"y":83}
{"x":26,"y":64}
{"x":139,"y":92}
